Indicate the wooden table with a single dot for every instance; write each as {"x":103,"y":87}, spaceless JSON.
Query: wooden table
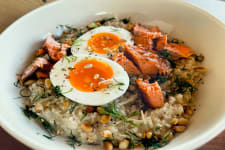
{"x":10,"y":10}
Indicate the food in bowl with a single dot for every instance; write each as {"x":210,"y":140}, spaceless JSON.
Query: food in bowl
{"x":152,"y":79}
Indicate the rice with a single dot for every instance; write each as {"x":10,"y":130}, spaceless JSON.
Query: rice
{"x":67,"y":117}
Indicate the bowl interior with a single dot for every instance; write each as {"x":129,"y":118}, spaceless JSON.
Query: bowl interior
{"x":202,"y":32}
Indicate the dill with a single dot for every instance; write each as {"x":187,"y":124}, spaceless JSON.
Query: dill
{"x":49,"y":137}
{"x":48,"y":127}
{"x":183,"y":85}
{"x":93,"y":25}
{"x":17,"y":84}
{"x":29,"y":114}
{"x":103,"y":21}
{"x":166,"y":55}
{"x":66,"y":27}
{"x":125,"y":20}
{"x":73,"y":108}
{"x":57,"y":90}
{"x":85,"y":115}
{"x":70,"y":58}
{"x":158,"y":127}
{"x":77,"y":42}
{"x":111,"y":110}
{"x":72,"y":141}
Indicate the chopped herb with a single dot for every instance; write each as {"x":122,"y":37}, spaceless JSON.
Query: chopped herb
{"x":199,"y":58}
{"x":71,"y":58}
{"x":77,"y":42}
{"x":93,"y":25}
{"x":111,"y":110}
{"x":66,"y":27}
{"x":158,"y":127}
{"x":57,"y":90}
{"x":79,"y":34}
{"x":183,"y":85}
{"x":72,"y":140}
{"x":29,"y":114}
{"x":125,"y":20}
{"x":85,"y":114}
{"x":103,"y":21}
{"x":17,"y":84}
{"x":159,"y":78}
{"x":166,"y":55}
{"x":73,"y":108}
{"x":48,"y":137}
{"x":46,"y":125}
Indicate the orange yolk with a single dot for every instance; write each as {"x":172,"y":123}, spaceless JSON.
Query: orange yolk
{"x":88,"y":75}
{"x":102,"y":42}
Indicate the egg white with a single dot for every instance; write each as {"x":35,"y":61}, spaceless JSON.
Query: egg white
{"x":61,"y":69}
{"x":80,"y":46}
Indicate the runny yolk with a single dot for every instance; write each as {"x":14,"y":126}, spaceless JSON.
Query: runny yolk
{"x":103,"y":42}
{"x":89,"y":75}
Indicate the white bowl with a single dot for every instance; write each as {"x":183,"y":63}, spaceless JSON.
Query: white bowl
{"x":197,"y":28}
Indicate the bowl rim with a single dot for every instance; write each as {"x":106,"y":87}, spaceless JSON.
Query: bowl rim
{"x":202,"y":139}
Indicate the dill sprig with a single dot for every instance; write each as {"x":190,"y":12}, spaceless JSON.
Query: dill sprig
{"x":57,"y":90}
{"x":32,"y":115}
{"x":111,"y":110}
{"x":66,"y":27}
{"x":73,"y":108}
{"x":72,"y":140}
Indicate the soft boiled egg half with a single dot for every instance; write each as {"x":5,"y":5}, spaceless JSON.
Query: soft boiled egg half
{"x":89,"y":80}
{"x":102,"y":41}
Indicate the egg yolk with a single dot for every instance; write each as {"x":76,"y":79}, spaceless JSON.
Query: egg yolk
{"x":90,"y":75}
{"x":103,"y":42}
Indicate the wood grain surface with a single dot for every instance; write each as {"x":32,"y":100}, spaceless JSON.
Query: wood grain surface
{"x":10,"y":10}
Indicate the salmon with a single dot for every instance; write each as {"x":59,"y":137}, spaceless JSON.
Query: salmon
{"x":161,"y":43}
{"x":180,"y":50}
{"x":55,"y":50}
{"x":40,"y":52}
{"x":148,"y":63}
{"x":39,"y":62}
{"x":143,"y":37}
{"x":151,"y":93}
{"x":127,"y":64}
{"x":154,"y":29}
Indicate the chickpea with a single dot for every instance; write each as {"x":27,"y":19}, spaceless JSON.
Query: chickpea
{"x":124,"y":144}
{"x":86,"y":127}
{"x":108,"y":146}
{"x":105,"y":119}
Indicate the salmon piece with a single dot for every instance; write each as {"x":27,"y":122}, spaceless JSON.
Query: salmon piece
{"x":151,"y":93}
{"x":41,"y":74}
{"x":161,"y":43}
{"x":56,"y":50}
{"x":40,"y":52}
{"x":143,"y":37}
{"x":154,"y":29}
{"x":148,"y":63}
{"x":39,"y":62}
{"x":180,"y":50}
{"x":127,"y":64}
